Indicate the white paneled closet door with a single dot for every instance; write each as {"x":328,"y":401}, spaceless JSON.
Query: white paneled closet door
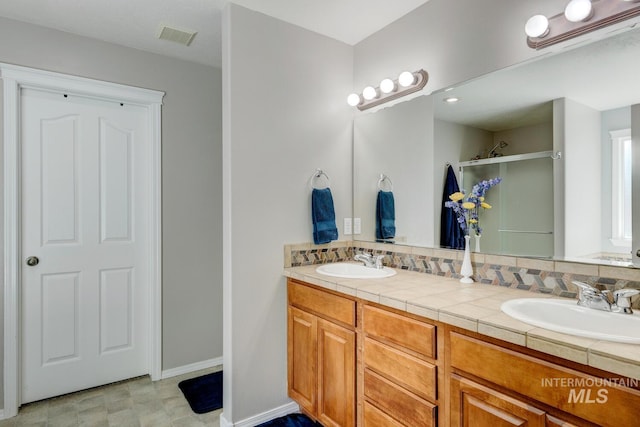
{"x":84,"y":278}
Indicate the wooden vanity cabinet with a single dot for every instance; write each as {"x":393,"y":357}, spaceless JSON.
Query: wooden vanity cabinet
{"x":351,"y":362}
{"x":491,"y":385}
{"x":321,"y":351}
{"x":396,"y":355}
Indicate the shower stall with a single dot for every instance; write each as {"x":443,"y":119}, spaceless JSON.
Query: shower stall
{"x":520,"y":221}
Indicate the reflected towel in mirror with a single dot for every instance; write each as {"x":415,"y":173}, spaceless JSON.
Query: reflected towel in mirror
{"x":385,"y":216}
{"x":451,"y":235}
{"x":323,"y":216}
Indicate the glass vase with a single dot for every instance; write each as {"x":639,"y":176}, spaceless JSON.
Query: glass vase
{"x":467,"y":269}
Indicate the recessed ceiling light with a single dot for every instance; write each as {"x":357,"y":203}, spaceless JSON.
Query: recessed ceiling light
{"x":451,"y":100}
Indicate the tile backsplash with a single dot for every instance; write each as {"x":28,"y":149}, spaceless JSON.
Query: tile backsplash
{"x":530,"y":274}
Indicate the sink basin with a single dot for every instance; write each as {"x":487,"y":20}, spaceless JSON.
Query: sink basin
{"x":562,"y":315}
{"x":354,"y":271}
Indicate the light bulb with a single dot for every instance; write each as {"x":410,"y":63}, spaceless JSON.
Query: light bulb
{"x":369,"y":93}
{"x":537,"y":26}
{"x":387,"y":86}
{"x":406,"y":78}
{"x":353,"y":99}
{"x":578,"y":10}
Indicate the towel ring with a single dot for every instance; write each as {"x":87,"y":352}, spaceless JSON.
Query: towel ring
{"x":318,"y":175}
{"x":382,"y":180}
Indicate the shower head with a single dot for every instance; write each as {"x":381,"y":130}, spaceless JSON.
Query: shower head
{"x":492,"y":152}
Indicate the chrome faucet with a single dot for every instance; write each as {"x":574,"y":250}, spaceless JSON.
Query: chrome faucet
{"x":370,"y":260}
{"x":618,"y":302}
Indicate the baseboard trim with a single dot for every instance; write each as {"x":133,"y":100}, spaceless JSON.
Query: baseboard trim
{"x":255,"y":420}
{"x":187,"y":369}
{"x":224,"y":422}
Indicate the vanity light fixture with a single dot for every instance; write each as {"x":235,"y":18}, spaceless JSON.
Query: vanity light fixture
{"x":406,"y":83}
{"x":369,"y":93}
{"x":579,"y":17}
{"x":537,"y":26}
{"x":406,"y":79}
{"x":353,"y":99}
{"x":387,"y":86}
{"x":578,"y":10}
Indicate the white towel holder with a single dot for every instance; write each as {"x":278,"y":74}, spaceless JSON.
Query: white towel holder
{"x":384,"y":178}
{"x":317,"y":176}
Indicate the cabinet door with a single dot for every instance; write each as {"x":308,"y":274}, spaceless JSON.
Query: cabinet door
{"x":336,"y":375}
{"x":474,"y":405}
{"x":302,"y":331}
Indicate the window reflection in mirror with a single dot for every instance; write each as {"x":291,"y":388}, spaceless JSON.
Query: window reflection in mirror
{"x":621,"y":188}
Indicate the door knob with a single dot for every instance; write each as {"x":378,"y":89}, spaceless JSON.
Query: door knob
{"x":32,"y":261}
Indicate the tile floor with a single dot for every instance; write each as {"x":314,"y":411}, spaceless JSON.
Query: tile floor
{"x":138,"y":402}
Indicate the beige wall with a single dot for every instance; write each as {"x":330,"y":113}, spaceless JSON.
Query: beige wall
{"x":284,"y":116}
{"x":385,"y":142}
{"x":454,"y":40}
{"x":191,"y":179}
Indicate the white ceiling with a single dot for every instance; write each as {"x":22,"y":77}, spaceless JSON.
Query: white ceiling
{"x":134,"y":23}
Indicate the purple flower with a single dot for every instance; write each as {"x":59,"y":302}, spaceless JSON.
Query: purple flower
{"x":468,"y":218}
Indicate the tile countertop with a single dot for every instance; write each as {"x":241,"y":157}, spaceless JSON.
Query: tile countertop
{"x":476,"y":307}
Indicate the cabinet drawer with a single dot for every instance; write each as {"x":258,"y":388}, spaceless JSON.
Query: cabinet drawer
{"x":577,"y":393}
{"x":322,"y":303}
{"x":404,"y":331}
{"x":412,"y":373}
{"x":374,"y":417}
{"x":406,"y":407}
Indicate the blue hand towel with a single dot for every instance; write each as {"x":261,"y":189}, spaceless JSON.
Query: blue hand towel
{"x":385,"y":216}
{"x":323,"y":216}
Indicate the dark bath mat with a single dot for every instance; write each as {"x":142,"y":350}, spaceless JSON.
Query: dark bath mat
{"x":204,"y":393}
{"x":291,"y":420}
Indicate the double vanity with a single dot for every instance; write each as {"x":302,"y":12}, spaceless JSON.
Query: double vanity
{"x":412,"y":346}
{"x":387,"y":347}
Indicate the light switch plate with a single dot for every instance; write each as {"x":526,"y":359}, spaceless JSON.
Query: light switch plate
{"x":357,"y":226}
{"x":347,"y":226}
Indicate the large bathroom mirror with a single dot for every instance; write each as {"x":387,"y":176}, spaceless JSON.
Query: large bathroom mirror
{"x":555,"y":129}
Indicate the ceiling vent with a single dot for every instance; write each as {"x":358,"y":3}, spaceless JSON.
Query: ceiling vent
{"x":176,"y":35}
